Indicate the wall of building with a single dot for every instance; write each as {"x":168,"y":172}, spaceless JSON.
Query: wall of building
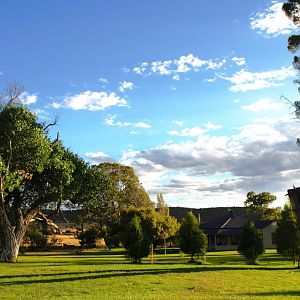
{"x":267,"y":236}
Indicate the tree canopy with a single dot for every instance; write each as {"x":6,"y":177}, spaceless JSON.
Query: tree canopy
{"x":287,"y":234}
{"x":259,"y":204}
{"x":251,"y":243}
{"x":35,"y":173}
{"x":193,"y":240}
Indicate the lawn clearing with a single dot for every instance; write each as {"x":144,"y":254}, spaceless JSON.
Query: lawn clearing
{"x":108,"y":275}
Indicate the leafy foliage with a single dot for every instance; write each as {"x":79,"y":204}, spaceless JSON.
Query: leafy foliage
{"x":89,"y":237}
{"x":287,"y":234}
{"x":193,"y":240}
{"x":36,"y":237}
{"x":137,"y":232}
{"x":251,"y":243}
{"x":259,"y":204}
{"x":114,"y":188}
{"x":35,"y":173}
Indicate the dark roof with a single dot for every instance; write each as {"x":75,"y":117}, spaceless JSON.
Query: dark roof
{"x":231,"y":223}
{"x":209,"y":214}
{"x":64,"y":216}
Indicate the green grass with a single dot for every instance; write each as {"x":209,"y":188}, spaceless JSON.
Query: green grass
{"x":108,"y":275}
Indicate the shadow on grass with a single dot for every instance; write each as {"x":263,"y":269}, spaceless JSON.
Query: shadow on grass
{"x":273,"y":294}
{"x":89,"y":275}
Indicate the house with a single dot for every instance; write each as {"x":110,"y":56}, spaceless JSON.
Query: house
{"x":223,"y":226}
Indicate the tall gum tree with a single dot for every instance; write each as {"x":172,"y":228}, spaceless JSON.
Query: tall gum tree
{"x":35,"y":174}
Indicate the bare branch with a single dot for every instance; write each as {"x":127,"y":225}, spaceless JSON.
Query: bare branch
{"x":54,"y":123}
{"x":14,"y":90}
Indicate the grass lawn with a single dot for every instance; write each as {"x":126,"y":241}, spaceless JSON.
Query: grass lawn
{"x":108,"y":275}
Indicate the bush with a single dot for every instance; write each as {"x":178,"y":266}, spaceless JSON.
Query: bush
{"x":36,"y":237}
{"x":88,"y":237}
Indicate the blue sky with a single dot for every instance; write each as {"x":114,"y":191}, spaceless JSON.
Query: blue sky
{"x":186,"y":92}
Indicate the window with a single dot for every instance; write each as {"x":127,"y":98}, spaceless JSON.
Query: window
{"x":222,"y":240}
{"x":273,"y":237}
{"x":233,"y":239}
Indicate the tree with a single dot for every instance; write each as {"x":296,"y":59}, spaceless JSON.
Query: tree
{"x":259,"y":204}
{"x":251,"y":243}
{"x":137,"y":232}
{"x":167,"y":228}
{"x":162,"y":206}
{"x":35,"y":173}
{"x":130,"y":190}
{"x":193,"y":240}
{"x":292,"y":10}
{"x":115,"y":188}
{"x":287,"y":234}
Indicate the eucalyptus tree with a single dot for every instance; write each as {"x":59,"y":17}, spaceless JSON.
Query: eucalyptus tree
{"x":35,"y":173}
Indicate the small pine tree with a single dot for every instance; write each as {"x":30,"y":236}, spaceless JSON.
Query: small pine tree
{"x":134,"y":240}
{"x":287,"y":235}
{"x":193,"y":240}
{"x":251,"y":243}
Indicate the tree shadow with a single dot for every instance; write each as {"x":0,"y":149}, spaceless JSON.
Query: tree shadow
{"x":89,"y":275}
{"x":273,"y":294}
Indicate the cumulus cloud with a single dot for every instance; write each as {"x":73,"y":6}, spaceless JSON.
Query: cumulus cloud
{"x":111,"y":121}
{"x":178,"y":122}
{"x":175,"y":67}
{"x":103,"y":80}
{"x":90,"y":100}
{"x":99,"y":157}
{"x":263,"y":104}
{"x":28,"y":99}
{"x":272,"y":22}
{"x":126,"y":85}
{"x":195,"y":131}
{"x":240,"y":61}
{"x":260,"y":156}
{"x":245,"y":81}
{"x":212,"y":126}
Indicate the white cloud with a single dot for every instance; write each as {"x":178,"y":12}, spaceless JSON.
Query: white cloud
{"x":212,"y":126}
{"x":176,"y":77}
{"x":179,"y":123}
{"x":111,"y":121}
{"x":126,"y":85}
{"x":89,"y":100}
{"x":56,"y":105}
{"x":272,"y":22}
{"x":103,"y":80}
{"x":28,"y":99}
{"x":240,"y":61}
{"x":195,"y":131}
{"x":261,"y":156}
{"x":245,"y":81}
{"x":184,"y":64}
{"x":263,"y":104}
{"x":99,"y":157}
{"x":210,"y":79}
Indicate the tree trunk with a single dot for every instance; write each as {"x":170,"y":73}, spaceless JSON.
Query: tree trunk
{"x":11,"y":244}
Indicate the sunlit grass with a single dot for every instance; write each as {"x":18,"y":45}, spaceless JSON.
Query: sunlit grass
{"x":108,"y":275}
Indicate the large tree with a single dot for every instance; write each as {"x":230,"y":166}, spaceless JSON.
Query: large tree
{"x":115,"y":188}
{"x":35,"y":173}
{"x":259,"y":204}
